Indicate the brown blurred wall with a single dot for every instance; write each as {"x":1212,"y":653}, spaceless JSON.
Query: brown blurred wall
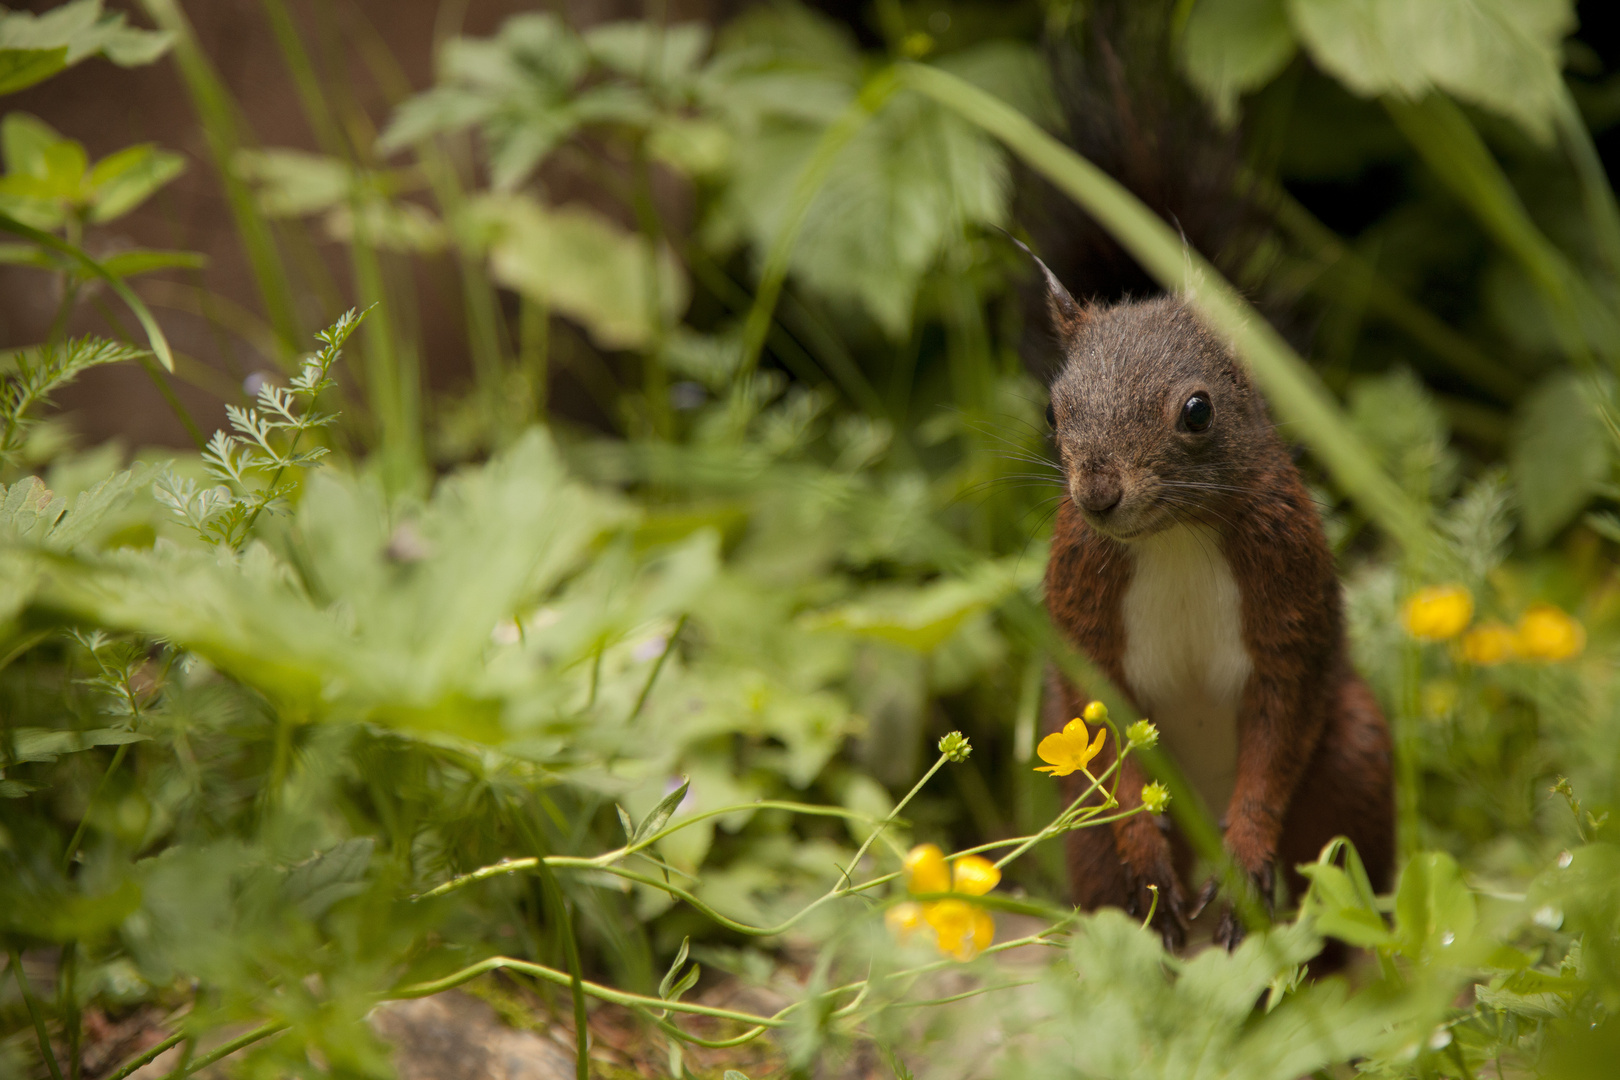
{"x":108,"y":107}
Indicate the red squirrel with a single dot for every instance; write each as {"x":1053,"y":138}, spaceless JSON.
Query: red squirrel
{"x":1189,"y":563}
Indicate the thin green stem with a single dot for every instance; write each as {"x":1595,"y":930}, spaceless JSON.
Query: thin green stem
{"x":872,"y":96}
{"x":224,"y":1050}
{"x":34,"y":1014}
{"x":145,"y":1057}
{"x":658,"y":666}
{"x":84,"y":821}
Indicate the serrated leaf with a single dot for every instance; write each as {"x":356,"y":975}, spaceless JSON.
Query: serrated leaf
{"x":1502,"y":55}
{"x":315,"y":884}
{"x":1559,"y":455}
{"x":1435,"y":913}
{"x":661,"y":813}
{"x":583,"y":266}
{"x":646,"y":50}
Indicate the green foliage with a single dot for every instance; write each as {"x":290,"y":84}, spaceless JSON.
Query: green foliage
{"x":296,"y":725}
{"x":35,"y":47}
{"x":34,"y":374}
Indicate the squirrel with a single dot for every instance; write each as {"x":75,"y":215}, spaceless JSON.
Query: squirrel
{"x":1189,"y":563}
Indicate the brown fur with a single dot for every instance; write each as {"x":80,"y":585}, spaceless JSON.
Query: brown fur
{"x":1313,"y":748}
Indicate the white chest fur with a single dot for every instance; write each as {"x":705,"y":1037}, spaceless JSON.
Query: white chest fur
{"x":1184,"y":653}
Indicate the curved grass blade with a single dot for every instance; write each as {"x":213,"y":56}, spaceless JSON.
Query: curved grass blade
{"x":154,"y":332}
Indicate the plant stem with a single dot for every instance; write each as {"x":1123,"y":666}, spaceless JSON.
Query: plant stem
{"x":78,"y":832}
{"x":34,"y":1014}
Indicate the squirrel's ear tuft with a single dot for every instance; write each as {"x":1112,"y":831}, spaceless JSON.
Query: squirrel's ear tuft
{"x":1067,"y":316}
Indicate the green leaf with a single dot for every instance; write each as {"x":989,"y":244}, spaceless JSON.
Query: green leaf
{"x":22,"y":68}
{"x":1435,"y":912}
{"x":645,"y":50}
{"x":661,"y":813}
{"x":1503,"y":55}
{"x":295,"y":183}
{"x":923,"y":618}
{"x":1230,"y":47}
{"x":26,"y":139}
{"x":82,"y":30}
{"x":27,"y":255}
{"x":1559,"y":455}
{"x":76,"y":916}
{"x":48,"y":744}
{"x":128,"y":264}
{"x":122,"y":181}
{"x":315,"y":884}
{"x":583,"y":266}
{"x":668,"y":982}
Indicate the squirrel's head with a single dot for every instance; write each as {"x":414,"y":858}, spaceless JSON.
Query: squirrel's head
{"x":1155,"y":421}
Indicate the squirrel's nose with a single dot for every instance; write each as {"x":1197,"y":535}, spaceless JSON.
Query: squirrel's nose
{"x":1099,"y":493}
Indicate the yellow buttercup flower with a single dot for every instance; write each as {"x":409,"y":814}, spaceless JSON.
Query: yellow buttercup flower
{"x":1547,"y":633}
{"x":1067,"y":751}
{"x":926,"y":870}
{"x":961,"y":928}
{"x":1489,"y":643}
{"x":1438,"y":612}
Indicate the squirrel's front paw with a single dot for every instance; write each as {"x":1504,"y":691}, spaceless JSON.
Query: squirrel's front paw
{"x":1155,"y":888}
{"x":1230,"y":928}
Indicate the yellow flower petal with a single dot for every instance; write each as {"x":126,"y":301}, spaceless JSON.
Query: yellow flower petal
{"x":952,"y":923}
{"x":1438,"y":612}
{"x":961,"y":930}
{"x":1489,"y":643}
{"x":904,"y":919}
{"x":1066,"y":751}
{"x":926,"y":870}
{"x":974,"y":875}
{"x":1547,"y":633}
{"x":984,"y":931}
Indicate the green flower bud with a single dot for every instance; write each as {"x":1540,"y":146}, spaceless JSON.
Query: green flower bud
{"x":1142,"y":733}
{"x":1155,"y":798}
{"x":955,"y":747}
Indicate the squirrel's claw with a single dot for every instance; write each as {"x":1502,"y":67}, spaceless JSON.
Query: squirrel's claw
{"x":1205,"y":895}
{"x":1229,"y":928}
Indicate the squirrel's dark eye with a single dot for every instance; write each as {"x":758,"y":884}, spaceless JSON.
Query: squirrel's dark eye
{"x":1051,"y":417}
{"x":1198,"y":413}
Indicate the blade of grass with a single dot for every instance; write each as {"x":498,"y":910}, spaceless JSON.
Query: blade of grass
{"x":154,"y":332}
{"x":224,"y":130}
{"x":1597,"y":196}
{"x":1293,"y":389}
{"x":1447,"y":142}
{"x":1461,"y":355}
{"x":838,"y":134}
